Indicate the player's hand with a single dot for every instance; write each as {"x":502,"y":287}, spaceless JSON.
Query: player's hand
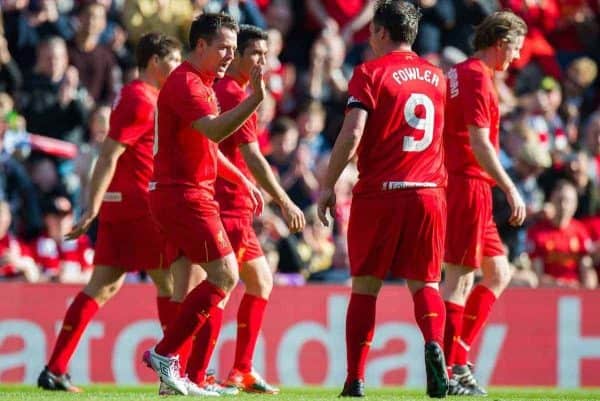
{"x":326,"y":201}
{"x":517,"y":207}
{"x":258,"y":203}
{"x":257,"y":82}
{"x":82,"y":226}
{"x":293,"y":216}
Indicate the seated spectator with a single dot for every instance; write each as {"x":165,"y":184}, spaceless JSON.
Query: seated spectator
{"x":52,"y":101}
{"x":292,"y":162}
{"x":15,"y":261}
{"x":95,"y":62}
{"x":560,"y":246}
{"x":65,"y":261}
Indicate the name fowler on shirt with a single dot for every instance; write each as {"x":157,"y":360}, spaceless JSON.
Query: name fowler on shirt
{"x":413,"y":73}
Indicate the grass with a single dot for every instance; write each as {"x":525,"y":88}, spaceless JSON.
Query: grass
{"x":143,"y":393}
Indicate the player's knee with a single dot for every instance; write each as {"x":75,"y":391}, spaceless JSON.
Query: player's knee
{"x":498,"y":277}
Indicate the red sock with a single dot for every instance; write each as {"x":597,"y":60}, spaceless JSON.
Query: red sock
{"x":430,"y":314}
{"x":454,"y":318}
{"x":193,"y":313}
{"x":249,"y":321}
{"x":204,"y":345}
{"x":477,"y":309}
{"x":78,"y":315}
{"x":186,"y":348}
{"x":167,"y":311}
{"x":360,"y":327}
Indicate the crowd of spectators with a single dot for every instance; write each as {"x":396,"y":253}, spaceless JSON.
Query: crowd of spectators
{"x":63,"y":62}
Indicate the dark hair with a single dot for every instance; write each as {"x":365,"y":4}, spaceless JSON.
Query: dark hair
{"x":501,"y":25}
{"x":206,"y":27}
{"x":248,"y":34}
{"x":399,"y":18}
{"x":281,"y":125}
{"x":154,"y":43}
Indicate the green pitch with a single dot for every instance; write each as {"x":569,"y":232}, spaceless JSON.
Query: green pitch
{"x":143,"y":393}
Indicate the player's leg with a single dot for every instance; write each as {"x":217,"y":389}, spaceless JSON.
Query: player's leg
{"x":196,"y":308}
{"x":458,"y":282}
{"x":258,"y":280}
{"x":103,"y":285}
{"x":430,"y":316}
{"x":163,"y":281}
{"x":360,"y":328}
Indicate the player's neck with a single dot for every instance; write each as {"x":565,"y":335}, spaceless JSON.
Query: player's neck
{"x":561,"y":222}
{"x":488,"y":57}
{"x":148,"y":79}
{"x":395,"y":47}
{"x":195,"y":62}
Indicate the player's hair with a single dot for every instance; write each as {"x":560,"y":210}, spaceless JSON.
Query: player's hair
{"x":282,"y":125}
{"x":399,"y":18}
{"x":154,"y":43}
{"x":501,"y":25}
{"x":206,"y":27}
{"x":247,"y":35}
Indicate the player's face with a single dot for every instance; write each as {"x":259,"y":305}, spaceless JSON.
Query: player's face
{"x":254,"y":54}
{"x":167,"y":64}
{"x":509,"y":52}
{"x":220,"y":52}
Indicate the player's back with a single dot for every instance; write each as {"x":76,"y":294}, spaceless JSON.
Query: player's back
{"x":184,"y":156}
{"x":471,"y":101}
{"x":401,"y":146}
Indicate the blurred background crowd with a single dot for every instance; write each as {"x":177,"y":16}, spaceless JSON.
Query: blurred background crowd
{"x":63,"y":62}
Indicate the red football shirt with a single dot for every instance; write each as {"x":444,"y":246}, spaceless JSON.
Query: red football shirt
{"x":183,"y":156}
{"x":231,"y":197}
{"x":471,"y":100}
{"x":401,"y":146}
{"x":560,"y":249}
{"x":132,"y":124}
{"x":10,"y":243}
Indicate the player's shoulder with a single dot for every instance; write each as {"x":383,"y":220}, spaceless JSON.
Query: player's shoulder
{"x":579,"y":226}
{"x":227,"y":86}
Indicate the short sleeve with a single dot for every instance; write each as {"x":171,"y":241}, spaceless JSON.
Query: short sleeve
{"x":475,"y":99}
{"x":360,"y":90}
{"x":131,"y":118}
{"x":193,"y":100}
{"x":247,"y":132}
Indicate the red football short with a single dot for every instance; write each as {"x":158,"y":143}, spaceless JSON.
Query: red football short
{"x":398,"y":232}
{"x":190,"y":222}
{"x":472,"y":232}
{"x":130,"y":245}
{"x":242,"y":237}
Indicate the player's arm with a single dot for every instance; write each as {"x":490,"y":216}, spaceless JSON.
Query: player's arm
{"x":104,"y":170}
{"x":262,"y":172}
{"x":217,"y":128}
{"x":486,"y":156}
{"x":227,"y":171}
{"x":343,"y":151}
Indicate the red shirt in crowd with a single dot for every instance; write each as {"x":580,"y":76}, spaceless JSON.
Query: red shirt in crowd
{"x":55,"y":257}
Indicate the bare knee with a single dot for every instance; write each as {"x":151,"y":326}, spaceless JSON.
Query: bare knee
{"x":257,"y":278}
{"x":458,"y":282}
{"x":366,"y":285}
{"x":223,"y":273}
{"x":496,"y":273}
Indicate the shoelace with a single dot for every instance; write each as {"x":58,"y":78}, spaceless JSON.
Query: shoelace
{"x":467,"y":379}
{"x":174,"y":367}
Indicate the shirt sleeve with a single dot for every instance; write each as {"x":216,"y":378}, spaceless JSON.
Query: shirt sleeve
{"x":360,"y":90}
{"x":131,"y":118}
{"x":194,"y":100}
{"x":475,"y":100}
